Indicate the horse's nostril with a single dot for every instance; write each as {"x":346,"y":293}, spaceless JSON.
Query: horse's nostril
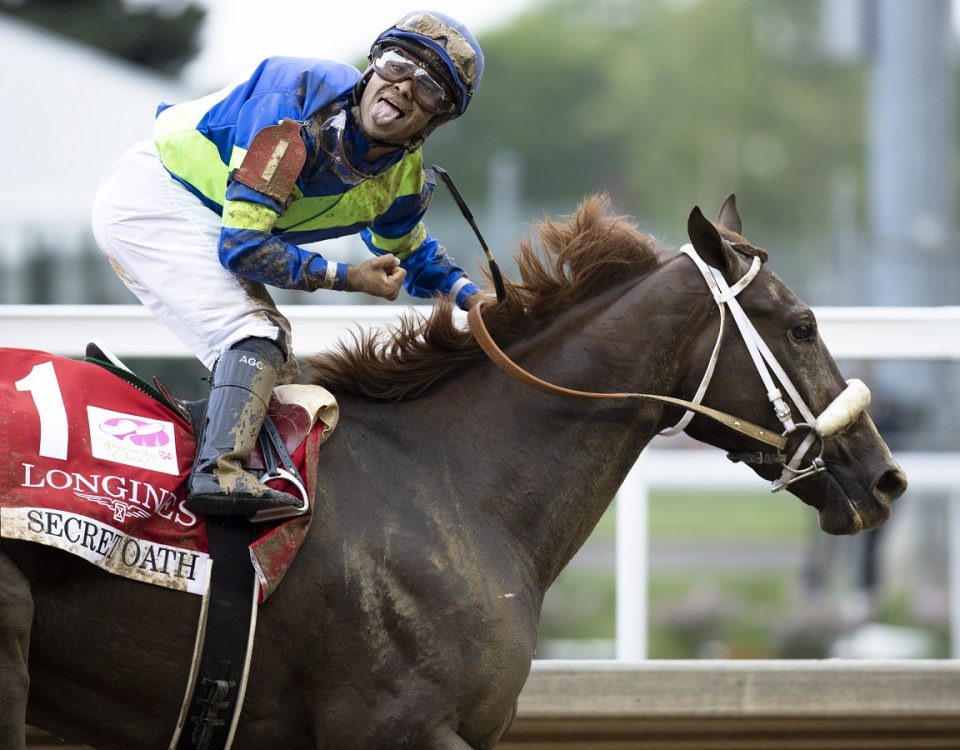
{"x":890,"y":486}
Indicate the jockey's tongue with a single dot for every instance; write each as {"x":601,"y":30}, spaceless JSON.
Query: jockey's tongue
{"x":384,"y":112}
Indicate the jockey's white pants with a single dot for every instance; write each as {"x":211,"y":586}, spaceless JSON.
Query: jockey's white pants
{"x":162,"y":242}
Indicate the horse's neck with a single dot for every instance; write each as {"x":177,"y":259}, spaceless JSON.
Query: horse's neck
{"x":518,"y":477}
{"x":555,"y":462}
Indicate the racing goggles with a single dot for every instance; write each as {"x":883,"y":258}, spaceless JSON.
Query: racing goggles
{"x":393,"y":66}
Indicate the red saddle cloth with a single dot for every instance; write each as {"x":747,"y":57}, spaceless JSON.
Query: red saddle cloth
{"x":92,"y":465}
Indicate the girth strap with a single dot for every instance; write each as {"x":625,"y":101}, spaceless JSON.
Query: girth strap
{"x":501,"y":360}
{"x":227,"y":626}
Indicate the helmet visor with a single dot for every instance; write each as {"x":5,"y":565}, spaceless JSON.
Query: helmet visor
{"x":393,"y":66}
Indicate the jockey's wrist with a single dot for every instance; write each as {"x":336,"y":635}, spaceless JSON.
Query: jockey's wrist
{"x":461,"y":291}
{"x":353,"y":278}
{"x":326,"y":274}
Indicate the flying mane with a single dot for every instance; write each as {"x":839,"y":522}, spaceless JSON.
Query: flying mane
{"x":588,"y":253}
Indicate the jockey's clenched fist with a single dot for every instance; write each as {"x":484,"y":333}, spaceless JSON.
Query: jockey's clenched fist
{"x":380,"y":276}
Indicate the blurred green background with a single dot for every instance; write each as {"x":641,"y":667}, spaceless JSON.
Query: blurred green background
{"x":746,"y":575}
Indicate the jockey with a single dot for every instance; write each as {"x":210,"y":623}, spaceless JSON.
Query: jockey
{"x":198,"y":222}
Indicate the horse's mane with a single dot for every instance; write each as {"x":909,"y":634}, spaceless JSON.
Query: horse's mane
{"x":588,"y":253}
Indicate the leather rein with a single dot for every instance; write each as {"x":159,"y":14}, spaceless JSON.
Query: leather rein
{"x":501,"y":360}
{"x":844,"y":409}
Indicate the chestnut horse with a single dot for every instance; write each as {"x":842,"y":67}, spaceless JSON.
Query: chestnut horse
{"x":450,"y":498}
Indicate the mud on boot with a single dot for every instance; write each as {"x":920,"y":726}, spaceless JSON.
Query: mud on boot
{"x":243,"y":380}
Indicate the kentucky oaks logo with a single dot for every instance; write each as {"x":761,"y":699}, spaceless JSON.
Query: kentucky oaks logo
{"x":133,"y":440}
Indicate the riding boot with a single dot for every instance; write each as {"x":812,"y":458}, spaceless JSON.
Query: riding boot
{"x":243,"y":380}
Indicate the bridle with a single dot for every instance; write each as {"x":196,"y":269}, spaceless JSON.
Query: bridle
{"x":839,"y":414}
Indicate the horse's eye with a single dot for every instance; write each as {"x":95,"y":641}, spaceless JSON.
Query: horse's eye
{"x":803,"y":331}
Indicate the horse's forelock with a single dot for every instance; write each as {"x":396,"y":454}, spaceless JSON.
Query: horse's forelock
{"x":575,"y":259}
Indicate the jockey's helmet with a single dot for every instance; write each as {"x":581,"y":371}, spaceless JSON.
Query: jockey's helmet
{"x":444,"y":46}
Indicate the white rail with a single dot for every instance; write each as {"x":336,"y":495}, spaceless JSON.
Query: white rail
{"x":874,"y":333}
{"x":870,"y":333}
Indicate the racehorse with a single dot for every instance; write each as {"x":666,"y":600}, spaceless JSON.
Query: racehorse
{"x":452,"y":496}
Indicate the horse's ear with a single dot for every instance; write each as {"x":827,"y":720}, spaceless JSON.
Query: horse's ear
{"x":706,"y":239}
{"x":729,"y":217}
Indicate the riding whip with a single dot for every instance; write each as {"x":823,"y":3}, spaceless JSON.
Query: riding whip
{"x":494,"y":268}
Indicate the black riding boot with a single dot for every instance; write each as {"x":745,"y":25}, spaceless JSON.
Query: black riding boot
{"x":243,"y":380}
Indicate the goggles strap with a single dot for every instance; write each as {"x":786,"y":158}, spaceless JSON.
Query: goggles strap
{"x":332,"y":144}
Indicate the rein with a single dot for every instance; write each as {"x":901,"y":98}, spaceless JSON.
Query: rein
{"x":501,"y":360}
{"x":838,"y":415}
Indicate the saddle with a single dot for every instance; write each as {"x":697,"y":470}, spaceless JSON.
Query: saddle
{"x":291,"y":415}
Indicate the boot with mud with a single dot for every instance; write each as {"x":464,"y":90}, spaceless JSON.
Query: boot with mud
{"x":243,"y":380}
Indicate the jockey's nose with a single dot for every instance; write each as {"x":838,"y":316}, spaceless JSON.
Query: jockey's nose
{"x":405,"y":87}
